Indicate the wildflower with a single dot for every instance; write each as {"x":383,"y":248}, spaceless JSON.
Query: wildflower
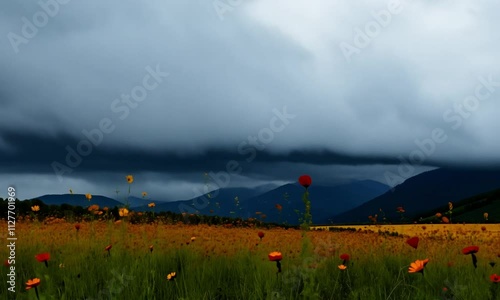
{"x":93,"y":207}
{"x":485,"y":215}
{"x":88,"y":196}
{"x":472,"y":250}
{"x":144,"y":194}
{"x":277,"y":257}
{"x":43,"y":257}
{"x":342,"y":267}
{"x":35,"y":208}
{"x":6,"y":263}
{"x":418,"y":266}
{"x":483,"y":228}
{"x":152,"y":204}
{"x":130,"y":178}
{"x":151,"y":248}
{"x":400,"y":209}
{"x":413,"y":242}
{"x":260,"y":234}
{"x":305,"y":181}
{"x":495,"y":278}
{"x":108,"y":248}
{"x":439,"y":215}
{"x":171,"y":276}
{"x":193,"y":238}
{"x":278,"y":207}
{"x":32,"y":283}
{"x":345,"y":256}
{"x":77,"y":226}
{"x":123,"y":212}
{"x":445,"y":220}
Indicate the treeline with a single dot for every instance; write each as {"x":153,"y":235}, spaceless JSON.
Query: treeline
{"x":72,"y":213}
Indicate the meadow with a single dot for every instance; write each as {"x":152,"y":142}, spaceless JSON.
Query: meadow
{"x":104,"y":259}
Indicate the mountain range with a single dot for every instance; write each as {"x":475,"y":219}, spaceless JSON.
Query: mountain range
{"x":424,"y":192}
{"x":347,"y":203}
{"x":260,"y":202}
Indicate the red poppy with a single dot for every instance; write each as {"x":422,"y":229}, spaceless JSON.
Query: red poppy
{"x":413,"y":242}
{"x":43,"y":257}
{"x":305,"y":181}
{"x":77,"y":226}
{"x":108,"y":247}
{"x":345,"y":256}
{"x":470,"y":250}
{"x":495,"y":278}
{"x":260,"y":234}
{"x":275,"y":256}
{"x":6,"y":263}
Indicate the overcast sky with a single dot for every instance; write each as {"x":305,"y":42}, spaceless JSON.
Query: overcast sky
{"x":91,"y":91}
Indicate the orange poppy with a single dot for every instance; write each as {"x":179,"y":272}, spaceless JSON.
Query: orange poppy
{"x":418,"y":266}
{"x":275,"y":256}
{"x":171,"y":276}
{"x":32,"y":283}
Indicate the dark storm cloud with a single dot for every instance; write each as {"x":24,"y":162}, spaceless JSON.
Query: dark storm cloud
{"x":33,"y":153}
{"x":226,"y":80}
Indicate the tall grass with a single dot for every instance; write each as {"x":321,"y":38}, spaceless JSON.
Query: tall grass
{"x":232,"y":264}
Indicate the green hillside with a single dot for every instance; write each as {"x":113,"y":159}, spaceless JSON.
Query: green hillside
{"x":470,"y":210}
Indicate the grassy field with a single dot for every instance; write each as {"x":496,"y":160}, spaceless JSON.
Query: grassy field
{"x":469,"y":232}
{"x":232,"y":263}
